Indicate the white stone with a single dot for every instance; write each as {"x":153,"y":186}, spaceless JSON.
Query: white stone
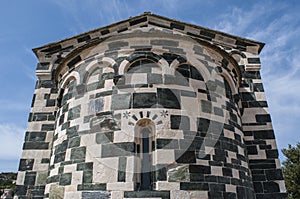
{"x":217,"y":171}
{"x":92,"y":152}
{"x":161,"y":185}
{"x":54,"y":171}
{"x":175,"y":194}
{"x":202,"y":162}
{"x":241,"y":150}
{"x":230,"y":188}
{"x":105,"y":170}
{"x":70,"y":188}
{"x":68,"y":155}
{"x":123,"y":136}
{"x":76,"y":177}
{"x":72,"y":195}
{"x":117,"y":194}
{"x":28,"y":154}
{"x":198,"y":195}
{"x":107,"y":103}
{"x":281,"y":184}
{"x":49,"y":136}
{"x":21,"y":177}
{"x":34,"y":126}
{"x":120,"y":186}
{"x":40,"y":167}
{"x":70,"y":168}
{"x":164,"y":156}
{"x":260,"y":96}
{"x":168,"y":133}
{"x":235,"y":173}
{"x":228,"y":134}
{"x":88,"y":139}
{"x":130,"y":168}
{"x":47,"y":188}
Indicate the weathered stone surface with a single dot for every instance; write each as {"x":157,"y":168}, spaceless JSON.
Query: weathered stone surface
{"x":96,"y":194}
{"x":56,"y":192}
{"x":179,"y":174}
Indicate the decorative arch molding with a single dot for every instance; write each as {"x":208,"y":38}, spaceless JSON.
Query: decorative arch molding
{"x":147,"y":55}
{"x":223,"y":54}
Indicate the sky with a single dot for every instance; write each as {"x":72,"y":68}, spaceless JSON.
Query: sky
{"x":25,"y":25}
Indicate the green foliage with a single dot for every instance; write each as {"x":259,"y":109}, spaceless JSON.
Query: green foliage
{"x":7,"y":181}
{"x":291,"y":170}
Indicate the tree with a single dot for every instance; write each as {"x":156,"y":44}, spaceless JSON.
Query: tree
{"x":291,"y":170}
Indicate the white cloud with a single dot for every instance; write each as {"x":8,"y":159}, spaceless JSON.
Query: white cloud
{"x":11,"y":138}
{"x":95,"y":12}
{"x":277,"y":25}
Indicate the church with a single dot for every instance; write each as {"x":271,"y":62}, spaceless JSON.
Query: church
{"x":150,"y":107}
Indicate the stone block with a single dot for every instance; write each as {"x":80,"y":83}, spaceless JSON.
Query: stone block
{"x":74,"y":112}
{"x":96,"y":194}
{"x":41,"y":177}
{"x":179,"y":194}
{"x":144,"y":100}
{"x":65,"y":179}
{"x":166,"y":186}
{"x":26,"y":164}
{"x":178,"y":173}
{"x":117,"y":149}
{"x":105,"y":170}
{"x":56,"y":192}
{"x":78,"y":153}
{"x":164,"y":156}
{"x":180,"y":122}
{"x":120,"y":186}
{"x":169,"y":98}
{"x":194,"y":186}
{"x":121,"y":101}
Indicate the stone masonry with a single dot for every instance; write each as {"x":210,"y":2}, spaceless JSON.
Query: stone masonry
{"x":150,"y":107}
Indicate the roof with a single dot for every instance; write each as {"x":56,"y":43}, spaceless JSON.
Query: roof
{"x":149,"y":19}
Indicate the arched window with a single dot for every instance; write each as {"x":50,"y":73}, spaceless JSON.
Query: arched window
{"x":145,"y":134}
{"x":189,"y":71}
{"x":143,"y":65}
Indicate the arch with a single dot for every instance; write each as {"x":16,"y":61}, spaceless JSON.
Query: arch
{"x":73,"y":75}
{"x":223,"y":54}
{"x":144,"y":131}
{"x":227,"y":77}
{"x":189,"y":71}
{"x":133,"y":58}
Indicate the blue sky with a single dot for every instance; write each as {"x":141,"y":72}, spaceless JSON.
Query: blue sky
{"x":33,"y":23}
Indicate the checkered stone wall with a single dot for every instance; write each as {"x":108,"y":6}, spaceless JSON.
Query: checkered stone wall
{"x":150,"y":110}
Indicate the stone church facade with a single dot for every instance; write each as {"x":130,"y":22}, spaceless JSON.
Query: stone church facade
{"x":150,"y":107}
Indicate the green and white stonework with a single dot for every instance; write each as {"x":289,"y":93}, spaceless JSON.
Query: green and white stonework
{"x":150,"y":107}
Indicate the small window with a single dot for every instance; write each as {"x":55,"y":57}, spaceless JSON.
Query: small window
{"x":145,"y":133}
{"x":228,"y":91}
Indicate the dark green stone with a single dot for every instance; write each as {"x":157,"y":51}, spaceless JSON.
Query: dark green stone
{"x":74,"y":112}
{"x":78,"y":153}
{"x":74,"y":142}
{"x":87,"y":177}
{"x":65,"y":179}
{"x":206,"y":106}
